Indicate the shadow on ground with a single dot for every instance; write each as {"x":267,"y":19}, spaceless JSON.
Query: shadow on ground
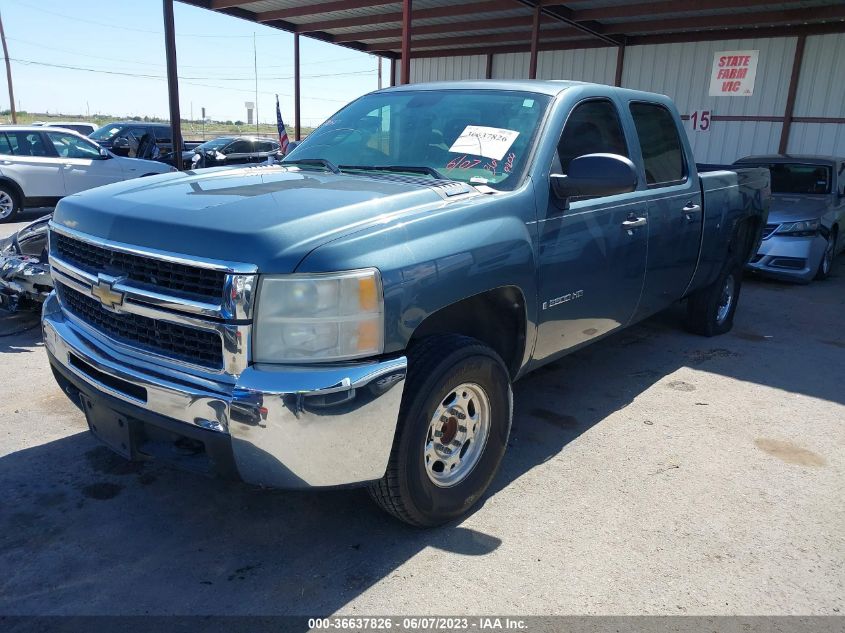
{"x":82,"y":531}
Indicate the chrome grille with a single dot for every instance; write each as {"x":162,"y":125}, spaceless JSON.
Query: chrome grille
{"x":180,"y":342}
{"x":183,"y":278}
{"x":769,"y":229}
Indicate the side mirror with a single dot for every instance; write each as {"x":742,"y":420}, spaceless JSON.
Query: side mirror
{"x":291,"y":146}
{"x":104,"y":153}
{"x":596,"y":175}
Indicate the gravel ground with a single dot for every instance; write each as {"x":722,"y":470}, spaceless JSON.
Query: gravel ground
{"x":654,"y":472}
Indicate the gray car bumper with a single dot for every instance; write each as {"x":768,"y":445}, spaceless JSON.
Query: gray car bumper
{"x":291,"y":427}
{"x":789,"y":258}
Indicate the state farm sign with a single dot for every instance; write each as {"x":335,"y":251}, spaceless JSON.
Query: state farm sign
{"x":733,"y":73}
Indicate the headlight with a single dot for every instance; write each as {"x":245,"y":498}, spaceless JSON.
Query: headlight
{"x":804,"y":228}
{"x":320,"y":317}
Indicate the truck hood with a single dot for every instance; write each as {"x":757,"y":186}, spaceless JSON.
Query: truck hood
{"x":793,"y":207}
{"x":268,"y":216}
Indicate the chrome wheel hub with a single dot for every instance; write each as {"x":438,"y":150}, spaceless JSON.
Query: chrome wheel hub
{"x":726,"y":300}
{"x":457,"y":434}
{"x":7,"y":205}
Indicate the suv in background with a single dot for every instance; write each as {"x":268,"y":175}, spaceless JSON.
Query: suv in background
{"x":39,"y":165}
{"x":229,"y":150}
{"x":122,"y":136}
{"x":82,"y":127}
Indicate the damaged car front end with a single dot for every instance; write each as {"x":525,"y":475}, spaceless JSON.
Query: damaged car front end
{"x":24,"y":270}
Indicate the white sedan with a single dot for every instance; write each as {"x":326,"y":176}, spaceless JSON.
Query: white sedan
{"x":39,"y":165}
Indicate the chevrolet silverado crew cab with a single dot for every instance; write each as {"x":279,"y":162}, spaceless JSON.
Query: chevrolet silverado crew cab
{"x":357,"y":314}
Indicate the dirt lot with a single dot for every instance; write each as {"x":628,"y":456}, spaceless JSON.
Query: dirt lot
{"x":654,"y":472}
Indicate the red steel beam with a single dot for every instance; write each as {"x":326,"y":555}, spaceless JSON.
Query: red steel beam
{"x":406,"y":41}
{"x":764,"y":18}
{"x":733,"y":34}
{"x":492,"y":38}
{"x":791,"y":95}
{"x":172,"y":83}
{"x":443,"y":29}
{"x":620,"y":65}
{"x":535,"y":43}
{"x":226,"y":4}
{"x":657,"y":8}
{"x":317,"y":9}
{"x":297,"y":128}
{"x":512,"y":48}
{"x":420,"y":14}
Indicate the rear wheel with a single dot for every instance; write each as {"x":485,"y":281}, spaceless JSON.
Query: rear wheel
{"x":452,"y":432}
{"x":710,"y":311}
{"x":9,"y":204}
{"x":826,"y":264}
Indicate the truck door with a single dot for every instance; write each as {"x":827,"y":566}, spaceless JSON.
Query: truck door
{"x":592,"y":255}
{"x":675,"y":214}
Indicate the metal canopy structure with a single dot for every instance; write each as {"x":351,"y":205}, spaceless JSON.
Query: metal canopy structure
{"x":404,"y":29}
{"x":440,"y":28}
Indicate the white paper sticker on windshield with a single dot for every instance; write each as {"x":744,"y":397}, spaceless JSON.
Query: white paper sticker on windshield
{"x":490,"y":142}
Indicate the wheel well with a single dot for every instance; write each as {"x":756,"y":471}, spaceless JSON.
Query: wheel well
{"x":745,"y":238}
{"x":496,"y":318}
{"x":16,"y":189}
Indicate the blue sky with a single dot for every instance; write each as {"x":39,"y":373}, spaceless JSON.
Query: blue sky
{"x":214,"y":53}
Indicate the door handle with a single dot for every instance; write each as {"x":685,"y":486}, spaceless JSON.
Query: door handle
{"x":634,"y":223}
{"x":691,"y":208}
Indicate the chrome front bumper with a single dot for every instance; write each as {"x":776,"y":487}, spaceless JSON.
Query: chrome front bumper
{"x":289,"y":427}
{"x":777,"y":254}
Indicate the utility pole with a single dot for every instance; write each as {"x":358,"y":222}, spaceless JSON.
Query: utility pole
{"x":8,"y":73}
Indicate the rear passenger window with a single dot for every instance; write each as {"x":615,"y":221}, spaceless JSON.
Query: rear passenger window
{"x":26,"y":144}
{"x":663,"y":154}
{"x":592,"y":128}
{"x":5,"y":147}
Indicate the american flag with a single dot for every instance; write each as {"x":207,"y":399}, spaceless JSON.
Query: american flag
{"x":283,"y":135}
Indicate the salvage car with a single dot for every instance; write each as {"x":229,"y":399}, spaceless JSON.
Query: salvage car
{"x":39,"y":165}
{"x":803,"y":235}
{"x":24,"y":269}
{"x":357,"y":314}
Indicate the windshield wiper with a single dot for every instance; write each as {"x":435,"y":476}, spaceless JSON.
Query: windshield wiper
{"x":314,"y":162}
{"x":411,"y":169}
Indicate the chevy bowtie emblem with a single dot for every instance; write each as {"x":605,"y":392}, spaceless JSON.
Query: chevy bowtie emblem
{"x":105,"y":292}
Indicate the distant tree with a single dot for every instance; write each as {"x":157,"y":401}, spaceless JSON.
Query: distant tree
{"x":239,"y":123}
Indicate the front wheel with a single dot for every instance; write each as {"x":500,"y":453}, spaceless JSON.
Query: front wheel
{"x":710,"y":310}
{"x":452,"y":433}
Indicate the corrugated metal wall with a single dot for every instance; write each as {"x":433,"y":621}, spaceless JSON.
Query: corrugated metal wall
{"x":821,"y":93}
{"x":682,"y":71}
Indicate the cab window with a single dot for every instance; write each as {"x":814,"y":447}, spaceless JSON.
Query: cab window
{"x":592,"y":128}
{"x":241,"y":146}
{"x":663,"y":154}
{"x":70,"y":146}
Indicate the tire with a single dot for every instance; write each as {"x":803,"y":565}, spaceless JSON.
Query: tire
{"x":454,"y":376}
{"x":10,"y":204}
{"x":711,"y":310}
{"x":826,"y":264}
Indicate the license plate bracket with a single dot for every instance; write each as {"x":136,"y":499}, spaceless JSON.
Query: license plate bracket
{"x":110,"y":427}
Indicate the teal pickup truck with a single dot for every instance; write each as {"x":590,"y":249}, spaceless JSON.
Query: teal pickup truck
{"x":357,"y":314}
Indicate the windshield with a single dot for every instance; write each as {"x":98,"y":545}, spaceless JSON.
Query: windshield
{"x":799,"y":178}
{"x":105,"y":133}
{"x":478,"y":136}
{"x":213,"y":144}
